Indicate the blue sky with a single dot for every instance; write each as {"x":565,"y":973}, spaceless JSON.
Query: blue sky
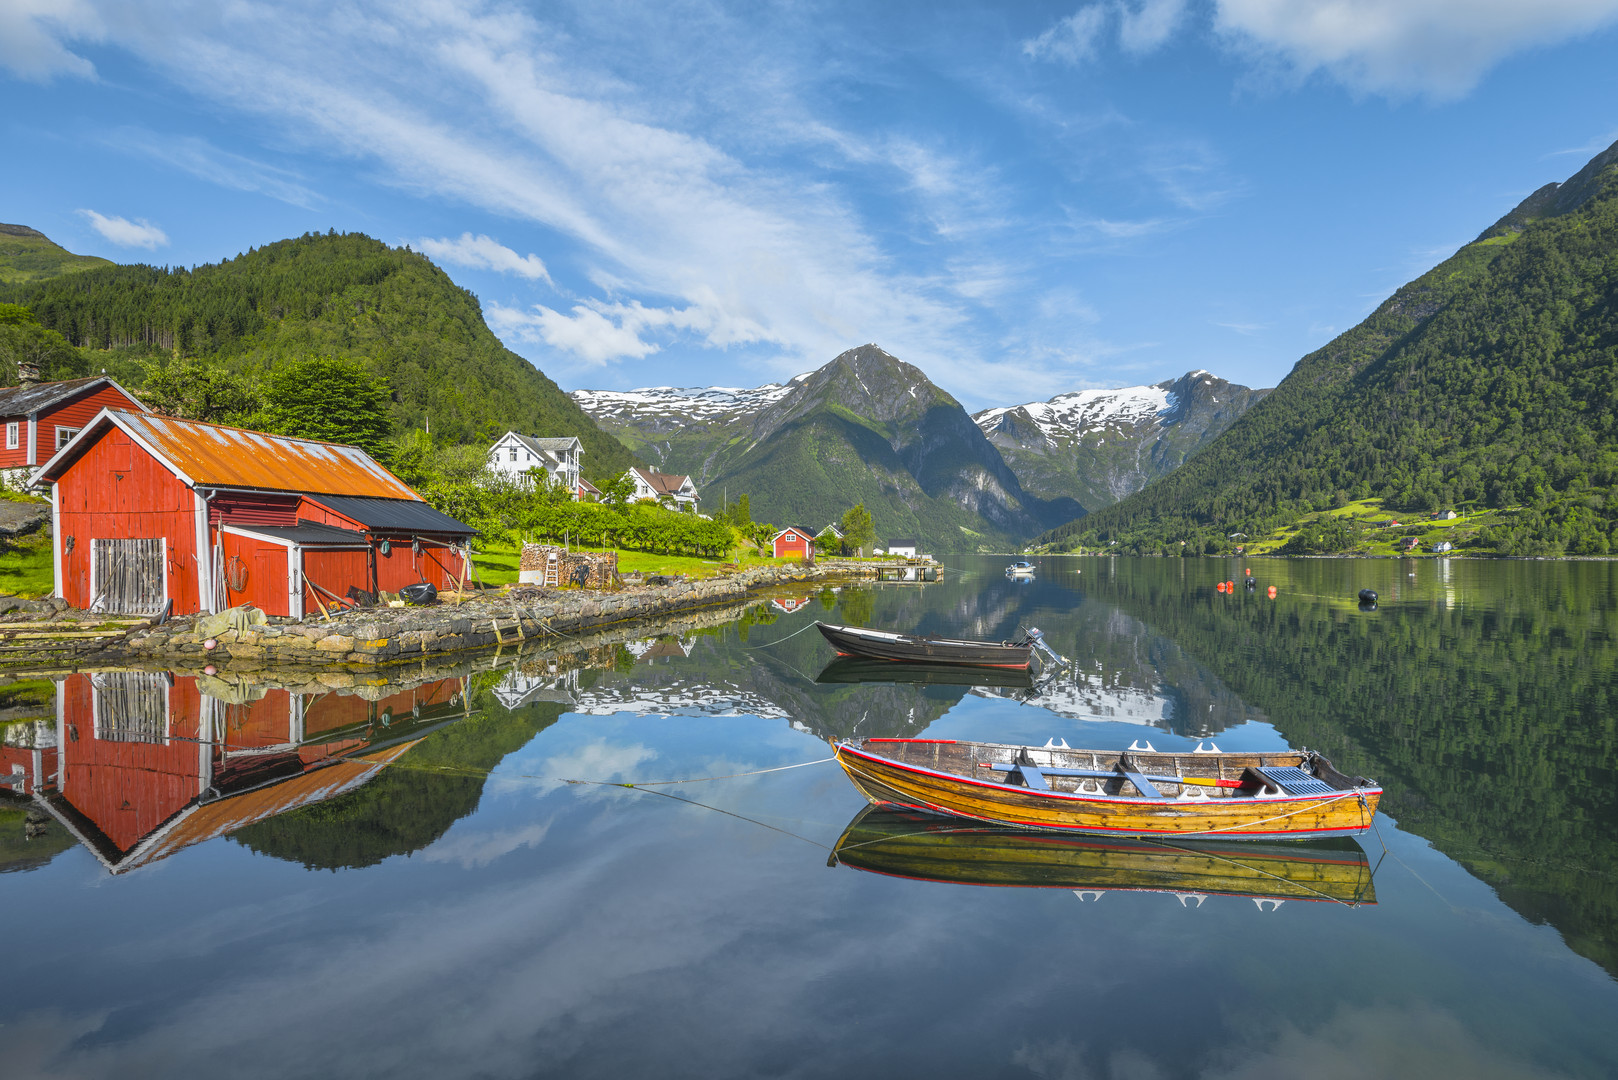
{"x":1021,"y":199}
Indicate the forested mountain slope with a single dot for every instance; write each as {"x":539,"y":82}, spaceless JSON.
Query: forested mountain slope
{"x":331,"y":294}
{"x":1491,"y":380}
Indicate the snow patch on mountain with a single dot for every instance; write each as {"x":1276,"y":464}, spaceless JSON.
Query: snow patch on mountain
{"x":674,"y":402}
{"x":1069,"y":415}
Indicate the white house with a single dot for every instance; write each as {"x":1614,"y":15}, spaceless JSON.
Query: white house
{"x":651,"y":484}
{"x":904,"y":548}
{"x":514,"y":455}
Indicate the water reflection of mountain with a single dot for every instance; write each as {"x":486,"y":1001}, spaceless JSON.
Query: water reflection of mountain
{"x":1490,"y":724}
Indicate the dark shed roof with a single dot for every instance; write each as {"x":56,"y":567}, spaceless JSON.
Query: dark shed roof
{"x":22,"y":400}
{"x":394,"y":515}
{"x":308,"y":533}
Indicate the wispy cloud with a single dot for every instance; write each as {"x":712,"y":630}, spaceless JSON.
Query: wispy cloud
{"x":33,"y":34}
{"x":206,"y":161}
{"x":1073,"y":39}
{"x":1143,"y":27}
{"x":485,"y":253}
{"x":1246,"y":329}
{"x":125,"y":233}
{"x":1437,"y":49}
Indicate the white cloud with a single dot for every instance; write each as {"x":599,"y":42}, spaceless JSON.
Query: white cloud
{"x":484,"y":253}
{"x":32,"y":34}
{"x":202,"y":159}
{"x":598,"y":332}
{"x":462,"y":102}
{"x":1433,"y":48}
{"x":125,"y":233}
{"x":1073,"y":39}
{"x":1145,"y":25}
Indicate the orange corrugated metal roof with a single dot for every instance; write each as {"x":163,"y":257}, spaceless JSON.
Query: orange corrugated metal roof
{"x":213,"y":455}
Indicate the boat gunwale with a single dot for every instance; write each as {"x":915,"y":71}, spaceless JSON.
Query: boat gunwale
{"x":1129,"y":800}
{"x":934,"y":639}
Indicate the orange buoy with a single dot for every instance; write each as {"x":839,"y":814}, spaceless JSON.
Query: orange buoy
{"x":1219,"y":587}
{"x":1248,"y":572}
{"x":1272,"y":592}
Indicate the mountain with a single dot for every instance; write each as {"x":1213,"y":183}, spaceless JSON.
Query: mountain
{"x":343,"y":294}
{"x":1099,"y":446}
{"x":1488,"y":382}
{"x":680,"y":430}
{"x":865,"y":428}
{"x":29,"y":255}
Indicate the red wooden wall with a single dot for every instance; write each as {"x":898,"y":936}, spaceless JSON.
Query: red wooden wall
{"x":334,"y":571}
{"x":265,"y":565}
{"x":118,"y":491}
{"x":73,"y":413}
{"x":76,"y":413}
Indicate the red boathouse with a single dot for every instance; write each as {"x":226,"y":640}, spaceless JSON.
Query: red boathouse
{"x":794,"y":543}
{"x":39,"y":419}
{"x":148,"y":509}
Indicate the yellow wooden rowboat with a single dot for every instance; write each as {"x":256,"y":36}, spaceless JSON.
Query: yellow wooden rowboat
{"x":926,"y":847}
{"x":1281,"y":795}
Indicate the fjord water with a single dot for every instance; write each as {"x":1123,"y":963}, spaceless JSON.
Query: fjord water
{"x":445,"y":901}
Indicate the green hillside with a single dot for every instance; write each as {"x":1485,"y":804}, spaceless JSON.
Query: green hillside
{"x":1488,"y":382}
{"x":337,"y":294}
{"x":29,"y":255}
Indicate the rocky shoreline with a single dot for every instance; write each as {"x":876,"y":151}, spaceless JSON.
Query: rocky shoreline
{"x":369,"y":638}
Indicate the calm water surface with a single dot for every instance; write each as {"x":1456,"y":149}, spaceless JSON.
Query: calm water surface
{"x":209,"y":878}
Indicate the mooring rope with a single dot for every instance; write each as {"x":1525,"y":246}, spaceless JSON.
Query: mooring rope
{"x":778,"y":641}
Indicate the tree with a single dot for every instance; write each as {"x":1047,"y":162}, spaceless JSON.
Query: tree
{"x":192,"y":390}
{"x":330,"y":398}
{"x":29,"y":344}
{"x":618,"y":489}
{"x":16,"y":315}
{"x":859,"y":532}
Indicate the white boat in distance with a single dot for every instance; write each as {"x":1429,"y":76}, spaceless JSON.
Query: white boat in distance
{"x":1020,"y":569}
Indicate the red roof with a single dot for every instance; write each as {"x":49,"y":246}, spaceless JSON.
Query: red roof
{"x":212,"y":455}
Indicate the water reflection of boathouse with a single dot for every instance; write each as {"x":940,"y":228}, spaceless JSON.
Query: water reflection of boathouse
{"x":148,"y":763}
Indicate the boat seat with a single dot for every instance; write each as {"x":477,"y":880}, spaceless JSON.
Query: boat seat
{"x":1294,"y":781}
{"x":1034,"y":776}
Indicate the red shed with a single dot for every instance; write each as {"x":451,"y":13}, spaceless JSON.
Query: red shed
{"x":149,"y":509}
{"x":794,"y":543}
{"x":39,"y":419}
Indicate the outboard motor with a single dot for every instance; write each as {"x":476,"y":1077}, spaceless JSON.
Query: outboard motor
{"x":1036,"y":638}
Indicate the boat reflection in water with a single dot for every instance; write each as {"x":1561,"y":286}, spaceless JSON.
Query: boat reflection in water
{"x":148,"y":763}
{"x":902,"y":843}
{"x":855,"y":669}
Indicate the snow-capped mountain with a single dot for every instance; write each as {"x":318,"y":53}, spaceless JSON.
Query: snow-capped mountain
{"x":1075,"y":452}
{"x":1100,"y":445}
{"x":655,"y":408}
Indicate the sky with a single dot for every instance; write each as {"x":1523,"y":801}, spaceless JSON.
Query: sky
{"x":1022,"y":199}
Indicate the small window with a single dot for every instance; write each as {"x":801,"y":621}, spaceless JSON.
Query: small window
{"x":513,"y":453}
{"x":13,"y":437}
{"x":64,"y":435}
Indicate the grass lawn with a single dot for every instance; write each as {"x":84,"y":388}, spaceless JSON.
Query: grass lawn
{"x":26,"y":569}
{"x":498,"y":565}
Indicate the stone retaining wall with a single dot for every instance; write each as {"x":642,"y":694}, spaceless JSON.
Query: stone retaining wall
{"x":382,"y":636}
